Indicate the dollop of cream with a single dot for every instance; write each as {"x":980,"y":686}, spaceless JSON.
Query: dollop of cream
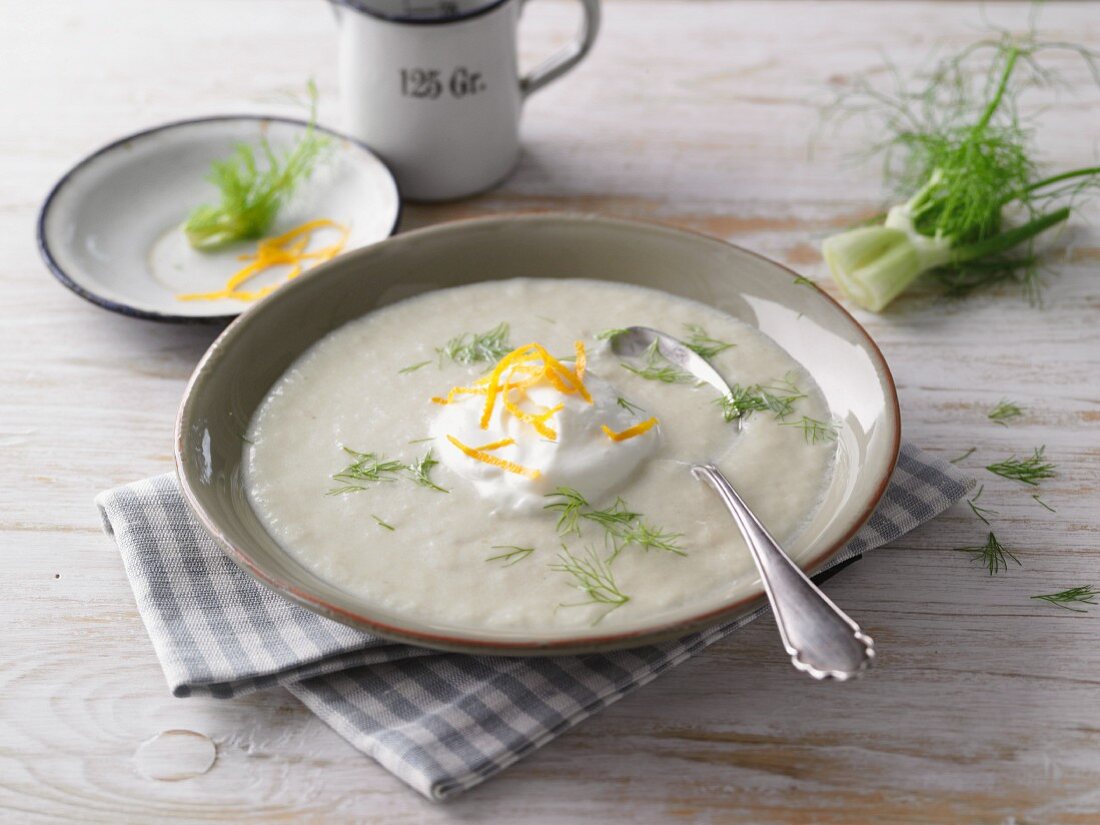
{"x":582,"y":456}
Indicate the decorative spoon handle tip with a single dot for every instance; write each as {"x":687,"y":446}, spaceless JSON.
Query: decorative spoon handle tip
{"x":821,"y":639}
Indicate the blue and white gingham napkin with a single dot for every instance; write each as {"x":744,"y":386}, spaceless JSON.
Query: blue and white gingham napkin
{"x":441,"y":722}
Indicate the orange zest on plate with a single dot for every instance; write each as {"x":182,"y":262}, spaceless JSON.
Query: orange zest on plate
{"x":289,"y":249}
{"x":630,"y":432}
{"x":494,"y":460}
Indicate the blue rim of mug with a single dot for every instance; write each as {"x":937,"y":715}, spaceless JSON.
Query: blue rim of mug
{"x":364,"y":6}
{"x":68,"y":281}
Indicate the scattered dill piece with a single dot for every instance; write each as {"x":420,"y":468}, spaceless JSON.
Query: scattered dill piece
{"x":413,"y":367}
{"x":813,"y":430}
{"x":569,"y":507}
{"x":382,"y":524}
{"x":965,"y":455}
{"x":980,"y":512}
{"x":1085,"y":594}
{"x":622,"y":527}
{"x":650,"y":538}
{"x":658,"y":368}
{"x":473,"y":347}
{"x":778,"y":399}
{"x":422,"y":440}
{"x":1004,"y":412}
{"x":421,"y":471}
{"x":1043,"y":503}
{"x":613,"y":519}
{"x":366,"y":468}
{"x":546,"y":319}
{"x":1029,"y":471}
{"x":802,"y":280}
{"x":702,"y":344}
{"x":629,"y":407}
{"x":608,"y":334}
{"x":993,"y":555}
{"x":514,"y":554}
{"x":254,"y":186}
{"x":593,"y":577}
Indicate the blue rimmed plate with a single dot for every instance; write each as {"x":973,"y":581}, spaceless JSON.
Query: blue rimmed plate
{"x":110,"y":229}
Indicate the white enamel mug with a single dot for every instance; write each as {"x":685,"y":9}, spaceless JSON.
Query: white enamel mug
{"x":433,"y":86}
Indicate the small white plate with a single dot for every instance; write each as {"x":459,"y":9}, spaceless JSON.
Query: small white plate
{"x":110,"y":230}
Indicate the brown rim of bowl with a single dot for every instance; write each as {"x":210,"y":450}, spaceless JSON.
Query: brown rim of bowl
{"x":558,"y":646}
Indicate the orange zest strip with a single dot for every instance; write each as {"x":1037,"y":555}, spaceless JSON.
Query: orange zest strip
{"x":518,"y":355}
{"x":457,"y":391}
{"x":517,"y":371}
{"x":495,"y":445}
{"x":536,"y":421}
{"x":524,"y":353}
{"x":495,"y":461}
{"x":629,"y":432}
{"x":563,"y":378}
{"x":288,"y":249}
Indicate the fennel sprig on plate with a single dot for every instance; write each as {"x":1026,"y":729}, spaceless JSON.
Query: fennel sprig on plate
{"x":254,"y":183}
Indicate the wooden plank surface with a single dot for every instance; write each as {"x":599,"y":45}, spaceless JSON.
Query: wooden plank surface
{"x":986,"y":704}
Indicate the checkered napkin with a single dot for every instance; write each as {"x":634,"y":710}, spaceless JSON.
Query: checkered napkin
{"x":441,"y":722}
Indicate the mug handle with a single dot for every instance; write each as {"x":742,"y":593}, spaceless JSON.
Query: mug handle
{"x":567,"y":58}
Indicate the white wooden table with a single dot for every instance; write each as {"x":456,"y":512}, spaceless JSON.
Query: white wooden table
{"x":986,"y":704}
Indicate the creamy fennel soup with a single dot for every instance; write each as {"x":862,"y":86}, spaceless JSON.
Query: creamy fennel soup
{"x":480,"y":458}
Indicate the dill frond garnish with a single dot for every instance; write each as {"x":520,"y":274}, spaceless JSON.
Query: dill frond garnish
{"x":702,"y":344}
{"x":658,"y":368}
{"x":422,"y":440}
{"x":252,"y":196}
{"x":626,"y":405}
{"x":1085,"y":594}
{"x":802,"y":280}
{"x":1004,"y":412}
{"x":648,"y":538}
{"x":778,"y":398}
{"x":514,"y":554}
{"x":608,"y":334}
{"x":383,"y":524}
{"x":965,"y":455}
{"x":593,"y":577}
{"x":1029,"y":471}
{"x":1043,"y":503}
{"x":372,"y":468}
{"x":993,"y":555}
{"x":622,"y":527}
{"x":956,"y":146}
{"x":813,"y":430}
{"x":569,"y":507}
{"x":366,"y":468}
{"x":980,"y":512}
{"x":614,"y":519}
{"x":421,"y":470}
{"x":413,"y":367}
{"x":474,"y":347}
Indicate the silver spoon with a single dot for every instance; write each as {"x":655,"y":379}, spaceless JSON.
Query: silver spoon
{"x":821,"y":639}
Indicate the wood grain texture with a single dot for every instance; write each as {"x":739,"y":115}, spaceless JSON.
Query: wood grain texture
{"x":986,"y":705}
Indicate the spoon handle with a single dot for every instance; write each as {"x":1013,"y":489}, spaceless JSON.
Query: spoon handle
{"x":821,"y":639}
